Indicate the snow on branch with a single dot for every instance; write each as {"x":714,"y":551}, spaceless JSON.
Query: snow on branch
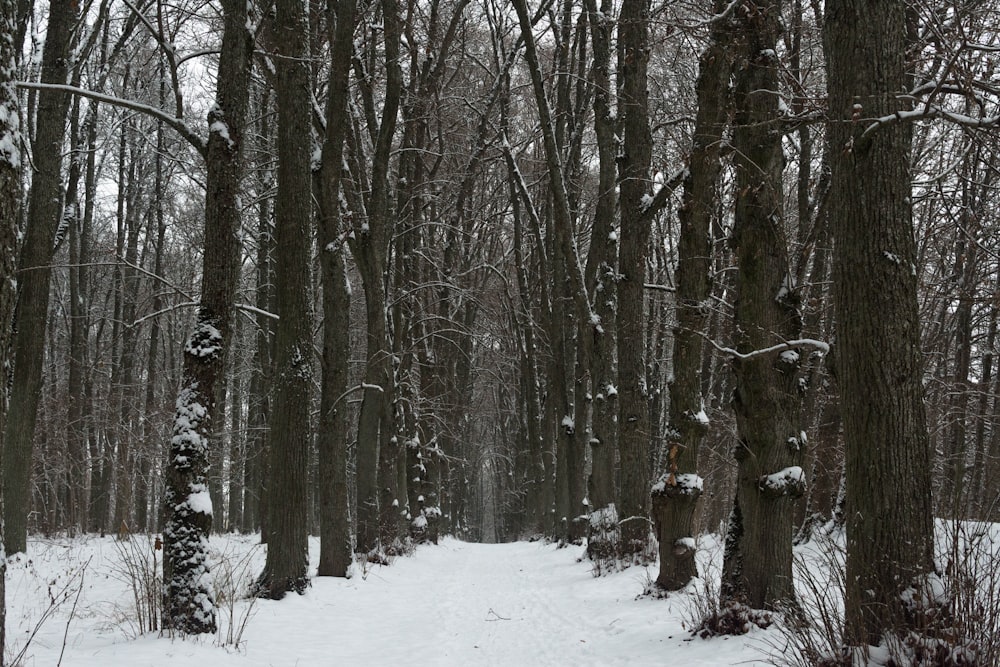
{"x":928,"y":112}
{"x":807,"y":343}
{"x":177,"y":124}
{"x":653,"y":205}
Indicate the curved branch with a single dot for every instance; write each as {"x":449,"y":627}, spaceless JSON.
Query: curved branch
{"x":178,"y":124}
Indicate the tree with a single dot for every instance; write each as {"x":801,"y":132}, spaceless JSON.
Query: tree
{"x":373,"y":228}
{"x":289,"y":444}
{"x":757,"y":571}
{"x":31,"y":313}
{"x":676,"y":493}
{"x":10,"y":205}
{"x":878,"y":361}
{"x":336,"y":547}
{"x":188,"y":605}
{"x":634,"y":205}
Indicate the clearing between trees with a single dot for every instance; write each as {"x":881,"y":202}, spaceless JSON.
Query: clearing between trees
{"x":522,"y":603}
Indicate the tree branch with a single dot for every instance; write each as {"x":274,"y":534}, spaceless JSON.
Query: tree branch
{"x":177,"y":124}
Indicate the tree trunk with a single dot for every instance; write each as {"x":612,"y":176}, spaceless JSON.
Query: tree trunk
{"x":188,"y":606}
{"x":674,"y":507}
{"x":635,"y":187}
{"x":44,"y":217}
{"x":376,"y":478}
{"x":289,"y":436}
{"x":336,"y":549}
{"x":10,"y":205}
{"x":879,"y":366}
{"x":258,"y":401}
{"x":757,"y":571}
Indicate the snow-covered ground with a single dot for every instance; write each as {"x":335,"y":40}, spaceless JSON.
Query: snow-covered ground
{"x":520,"y":604}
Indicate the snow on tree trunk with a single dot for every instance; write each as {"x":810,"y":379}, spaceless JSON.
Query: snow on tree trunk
{"x":673,"y":508}
{"x":757,"y":571}
{"x":188,"y":606}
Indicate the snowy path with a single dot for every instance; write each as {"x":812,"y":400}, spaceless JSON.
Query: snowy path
{"x":459,"y":604}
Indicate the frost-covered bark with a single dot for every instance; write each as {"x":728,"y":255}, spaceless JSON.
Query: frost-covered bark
{"x":635,"y":185}
{"x":674,"y":505}
{"x":879,"y":366}
{"x":289,"y":435}
{"x":188,"y":606}
{"x":758,"y":560}
{"x":600,"y":273}
{"x":10,"y":200}
{"x":44,"y":215}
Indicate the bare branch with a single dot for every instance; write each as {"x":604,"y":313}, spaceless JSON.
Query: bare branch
{"x":178,"y":124}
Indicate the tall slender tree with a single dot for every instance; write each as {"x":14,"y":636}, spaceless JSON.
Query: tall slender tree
{"x":10,"y":209}
{"x":45,"y":202}
{"x":188,"y":605}
{"x":634,"y":204}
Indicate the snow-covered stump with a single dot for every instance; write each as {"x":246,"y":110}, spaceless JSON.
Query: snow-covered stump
{"x":674,"y":499}
{"x":188,"y":605}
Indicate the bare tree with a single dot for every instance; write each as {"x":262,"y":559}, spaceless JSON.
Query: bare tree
{"x":188,"y":603}
{"x":34,"y":271}
{"x":878,"y":360}
{"x":287,"y":541}
{"x":634,"y":204}
{"x":10,"y":205}
{"x":676,"y":494}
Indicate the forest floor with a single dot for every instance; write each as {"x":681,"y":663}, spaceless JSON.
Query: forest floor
{"x":457,"y":603}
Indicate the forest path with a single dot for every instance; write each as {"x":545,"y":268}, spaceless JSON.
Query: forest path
{"x":517,"y":604}
{"x":452,"y":605}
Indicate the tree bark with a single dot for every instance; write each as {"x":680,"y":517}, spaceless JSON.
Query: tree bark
{"x":34,"y":273}
{"x":188,"y":606}
{"x":10,"y":206}
{"x":336,"y":548}
{"x":636,"y":195}
{"x":674,"y":508}
{"x":757,"y":571}
{"x":289,"y":435}
{"x":879,"y":366}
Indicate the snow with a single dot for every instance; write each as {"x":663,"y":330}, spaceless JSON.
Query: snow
{"x":685,"y":483}
{"x":786,"y":479}
{"x":789,"y":356}
{"x":456,"y":604}
{"x":217,"y":125}
{"x":205,"y":341}
{"x":199,"y":499}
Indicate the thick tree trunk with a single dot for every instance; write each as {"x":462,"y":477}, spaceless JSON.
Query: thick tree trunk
{"x":44,"y":217}
{"x":879,"y":366}
{"x":188,"y":606}
{"x":289,"y":435}
{"x":757,"y":571}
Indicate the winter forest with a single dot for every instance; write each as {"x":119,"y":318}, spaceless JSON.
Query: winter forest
{"x":699,"y":299}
